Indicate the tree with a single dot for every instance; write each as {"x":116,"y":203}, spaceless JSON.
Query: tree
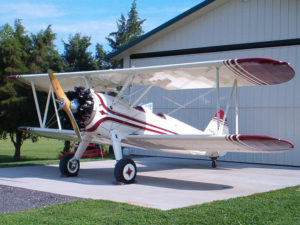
{"x":44,"y":55}
{"x":127,"y":29}
{"x":100,"y":57}
{"x":76,"y":54}
{"x":119,"y":38}
{"x":14,"y":48}
{"x":21,"y":53}
{"x":134,"y":24}
{"x":78,"y":58}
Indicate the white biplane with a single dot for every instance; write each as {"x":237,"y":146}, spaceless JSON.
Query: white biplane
{"x":100,"y":118}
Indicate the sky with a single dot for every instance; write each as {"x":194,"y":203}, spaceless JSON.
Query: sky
{"x":94,"y":18}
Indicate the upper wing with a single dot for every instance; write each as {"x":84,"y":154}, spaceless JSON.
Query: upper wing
{"x":248,"y":72}
{"x":210,"y":143}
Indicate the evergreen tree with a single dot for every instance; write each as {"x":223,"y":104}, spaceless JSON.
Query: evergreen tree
{"x":76,"y":55}
{"x":15,"y":101}
{"x":119,"y":38}
{"x":44,"y":55}
{"x":101,"y":58}
{"x":134,"y":24}
{"x":127,"y":29}
{"x":21,"y":53}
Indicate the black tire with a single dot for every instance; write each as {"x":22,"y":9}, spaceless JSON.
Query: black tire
{"x":125,"y":171}
{"x":69,"y":167}
{"x":214,"y":162}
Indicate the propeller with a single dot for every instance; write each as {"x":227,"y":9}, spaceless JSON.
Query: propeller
{"x":64,"y":102}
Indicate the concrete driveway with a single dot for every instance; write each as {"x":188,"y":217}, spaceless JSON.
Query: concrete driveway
{"x":163,"y":183}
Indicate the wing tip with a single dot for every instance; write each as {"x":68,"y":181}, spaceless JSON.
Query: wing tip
{"x":13,"y":76}
{"x":275,"y":142}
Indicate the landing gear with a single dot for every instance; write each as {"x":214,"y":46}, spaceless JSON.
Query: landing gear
{"x":214,"y":162}
{"x":125,"y":171}
{"x":69,"y":166}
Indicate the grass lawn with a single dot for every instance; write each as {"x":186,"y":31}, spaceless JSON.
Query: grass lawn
{"x":43,"y":152}
{"x":276,"y":207}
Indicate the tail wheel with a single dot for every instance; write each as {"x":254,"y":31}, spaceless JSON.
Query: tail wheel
{"x":214,"y":162}
{"x":69,"y":166}
{"x":125,"y":171}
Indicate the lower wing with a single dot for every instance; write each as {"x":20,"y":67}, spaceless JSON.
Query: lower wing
{"x":52,"y":133}
{"x":205,"y":143}
{"x":210,"y":143}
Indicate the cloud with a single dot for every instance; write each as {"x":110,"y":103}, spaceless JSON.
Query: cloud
{"x":28,"y":11}
{"x":98,"y":29}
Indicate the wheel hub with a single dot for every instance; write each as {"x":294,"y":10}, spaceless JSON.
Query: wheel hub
{"x":128,"y":171}
{"x":72,"y":165}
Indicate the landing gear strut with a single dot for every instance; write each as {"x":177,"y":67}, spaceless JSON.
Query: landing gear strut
{"x":125,"y":169}
{"x":214,"y":162}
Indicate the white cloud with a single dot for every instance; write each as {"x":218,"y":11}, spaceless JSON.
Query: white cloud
{"x":28,"y":10}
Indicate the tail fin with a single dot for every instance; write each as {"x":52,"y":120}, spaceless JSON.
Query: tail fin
{"x":212,"y":127}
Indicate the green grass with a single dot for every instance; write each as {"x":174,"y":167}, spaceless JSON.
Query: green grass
{"x":276,"y":207}
{"x":43,"y":152}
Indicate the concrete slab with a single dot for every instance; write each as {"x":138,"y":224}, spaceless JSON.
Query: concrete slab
{"x":163,"y":183}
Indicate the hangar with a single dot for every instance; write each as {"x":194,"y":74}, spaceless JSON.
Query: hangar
{"x":221,"y":29}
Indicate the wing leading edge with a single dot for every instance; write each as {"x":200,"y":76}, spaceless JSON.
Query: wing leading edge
{"x":211,"y":143}
{"x":248,"y":72}
{"x":52,"y":133}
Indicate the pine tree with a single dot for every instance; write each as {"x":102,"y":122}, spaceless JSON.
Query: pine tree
{"x":21,"y":53}
{"x":127,"y":29}
{"x":101,"y":58}
{"x":44,"y":55}
{"x":134,"y":24}
{"x":76,"y":55}
{"x":119,"y":38}
{"x":15,"y":101}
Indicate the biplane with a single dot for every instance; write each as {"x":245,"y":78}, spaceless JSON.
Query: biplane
{"x":98,"y":117}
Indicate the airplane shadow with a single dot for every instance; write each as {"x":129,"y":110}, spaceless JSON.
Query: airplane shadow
{"x":105,"y":177}
{"x":179,"y":184}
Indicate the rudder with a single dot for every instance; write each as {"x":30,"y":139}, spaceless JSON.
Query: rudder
{"x":212,"y":127}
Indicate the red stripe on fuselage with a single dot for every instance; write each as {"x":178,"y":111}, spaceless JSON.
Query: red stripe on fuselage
{"x":133,"y":119}
{"x":96,"y":125}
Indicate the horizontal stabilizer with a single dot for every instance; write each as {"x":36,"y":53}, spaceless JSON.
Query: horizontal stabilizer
{"x":211,"y":143}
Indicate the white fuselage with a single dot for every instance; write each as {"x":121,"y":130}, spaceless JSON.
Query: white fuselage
{"x":126,"y":120}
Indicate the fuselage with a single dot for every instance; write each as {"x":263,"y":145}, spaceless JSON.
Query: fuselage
{"x":112,"y":114}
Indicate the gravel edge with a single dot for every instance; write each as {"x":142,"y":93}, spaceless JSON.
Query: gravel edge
{"x":15,"y":199}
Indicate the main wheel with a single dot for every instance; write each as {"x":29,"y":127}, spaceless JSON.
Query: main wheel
{"x":125,"y":171}
{"x":69,"y":166}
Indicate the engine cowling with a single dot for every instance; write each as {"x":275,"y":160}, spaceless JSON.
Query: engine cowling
{"x":82,"y":104}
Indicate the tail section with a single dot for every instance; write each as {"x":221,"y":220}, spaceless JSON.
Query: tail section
{"x":212,"y":127}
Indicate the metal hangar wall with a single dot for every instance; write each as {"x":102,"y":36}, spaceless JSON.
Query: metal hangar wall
{"x":222,"y":29}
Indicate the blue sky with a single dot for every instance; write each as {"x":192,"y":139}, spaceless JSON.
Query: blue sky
{"x":95,"y":18}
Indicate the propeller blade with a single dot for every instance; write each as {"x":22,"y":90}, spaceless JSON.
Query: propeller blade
{"x":64,"y":102}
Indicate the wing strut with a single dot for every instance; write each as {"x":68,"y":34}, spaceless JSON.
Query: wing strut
{"x":42,"y":121}
{"x":125,"y":86}
{"x":234,"y":88}
{"x":37,"y":106}
{"x":236,"y":108}
{"x":218,"y":96}
{"x":141,"y":96}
